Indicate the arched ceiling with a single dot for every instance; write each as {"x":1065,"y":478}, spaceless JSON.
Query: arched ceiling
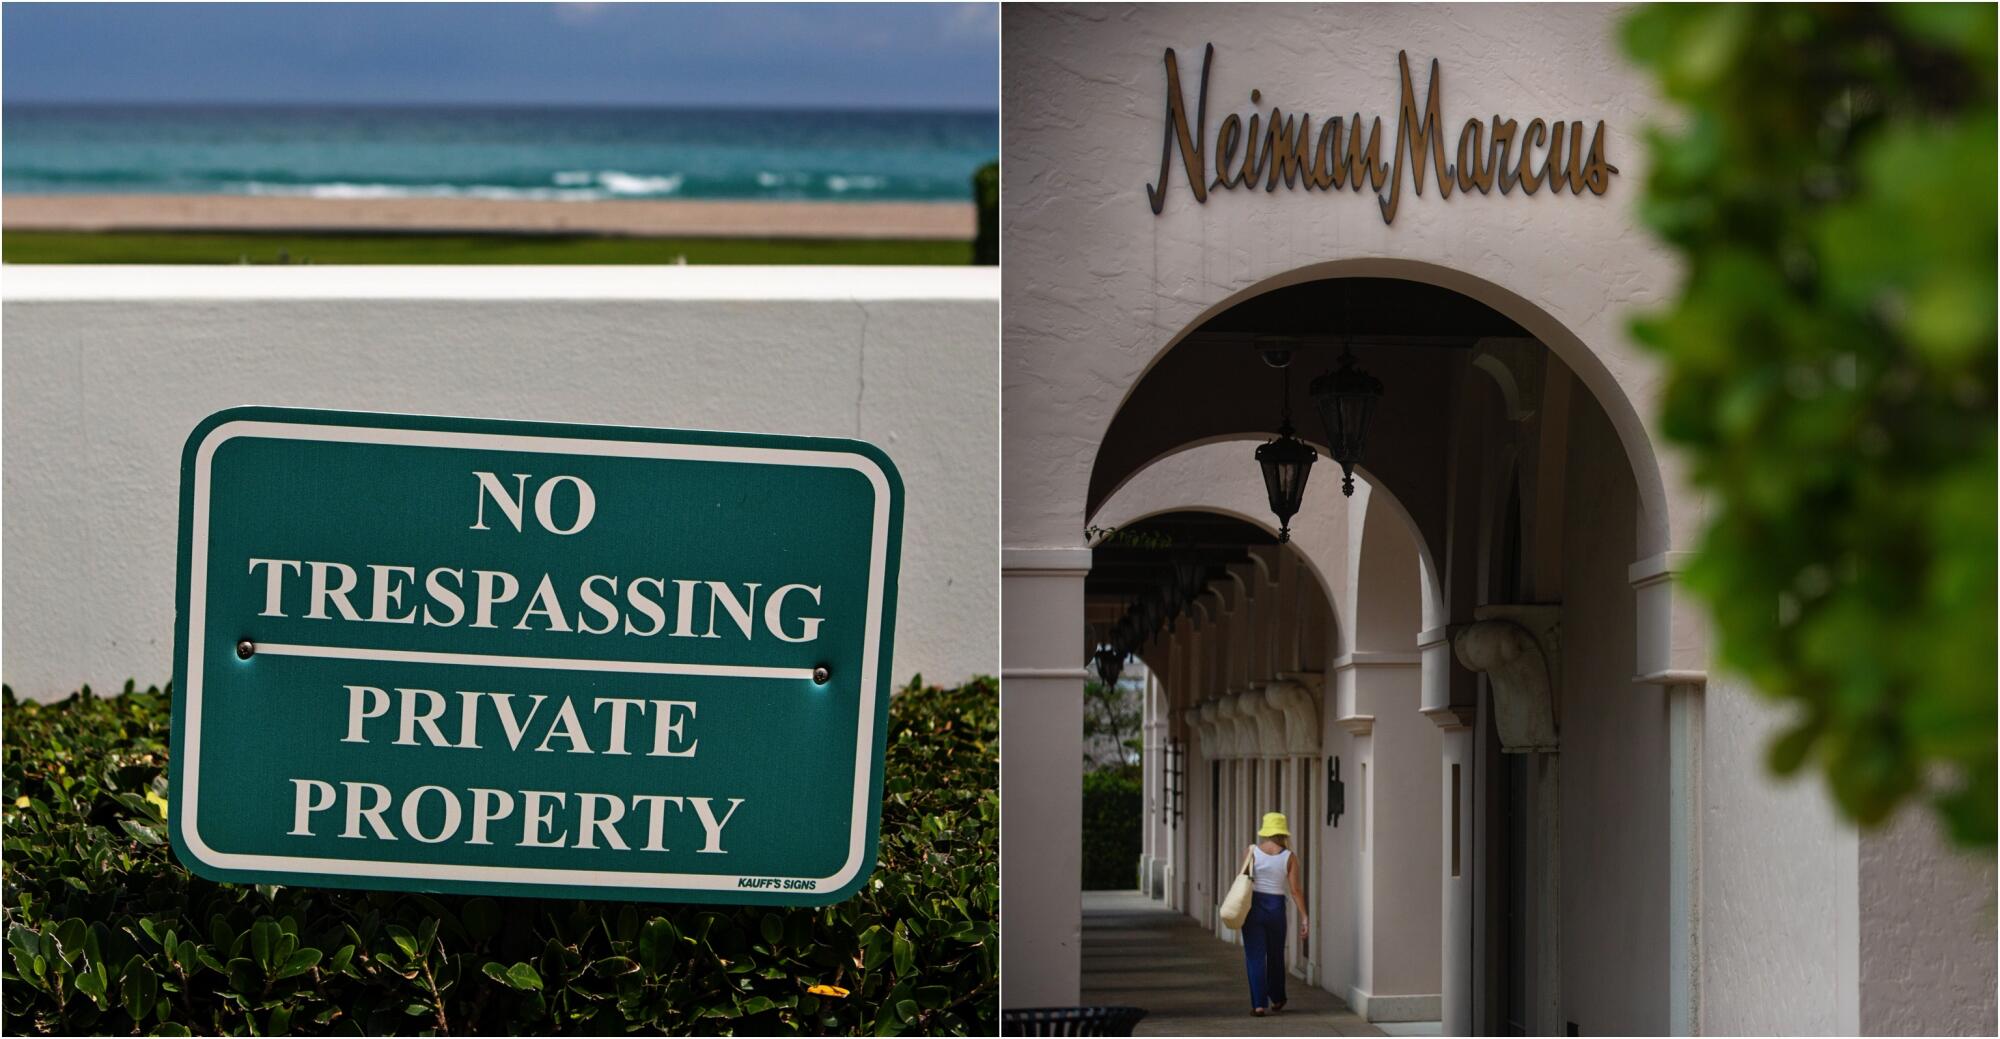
{"x":1141,"y":556}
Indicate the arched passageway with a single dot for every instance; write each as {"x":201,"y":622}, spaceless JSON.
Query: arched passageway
{"x":1497,"y":506}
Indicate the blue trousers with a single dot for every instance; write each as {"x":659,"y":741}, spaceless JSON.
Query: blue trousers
{"x":1264,"y":949}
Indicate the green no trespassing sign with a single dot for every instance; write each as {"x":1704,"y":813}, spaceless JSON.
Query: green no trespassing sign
{"x":522,"y":658}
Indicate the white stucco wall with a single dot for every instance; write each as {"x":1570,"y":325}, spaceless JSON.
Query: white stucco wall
{"x":1772,"y":895}
{"x":107,"y":369}
{"x":1926,"y":932}
{"x":1099,"y":285}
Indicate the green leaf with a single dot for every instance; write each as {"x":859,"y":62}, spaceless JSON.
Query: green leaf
{"x":138,"y":989}
{"x":260,"y":943}
{"x":298,"y":963}
{"x":523,"y":976}
{"x":655,"y":945}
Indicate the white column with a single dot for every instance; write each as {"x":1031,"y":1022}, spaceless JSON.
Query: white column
{"x":1041,"y":717}
{"x":1307,"y":775}
{"x":1162,"y":819}
{"x":1361,"y":802}
{"x":1455,"y":722}
{"x":1149,"y":783}
{"x":1671,"y":652}
{"x":1457,"y":881}
{"x":1684,"y":765}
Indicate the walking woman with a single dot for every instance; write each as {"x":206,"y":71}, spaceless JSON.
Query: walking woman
{"x":1274,"y":873}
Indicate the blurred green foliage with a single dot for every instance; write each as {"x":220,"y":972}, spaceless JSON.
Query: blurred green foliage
{"x":1113,"y":810}
{"x":1830,"y":362}
{"x":106,"y":933}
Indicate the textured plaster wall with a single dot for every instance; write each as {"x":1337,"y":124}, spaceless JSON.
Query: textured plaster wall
{"x":99,"y":396}
{"x":1098,"y":285}
{"x":1926,"y":932}
{"x":1771,"y":900}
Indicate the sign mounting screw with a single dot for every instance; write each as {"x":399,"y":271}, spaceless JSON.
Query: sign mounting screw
{"x":245,"y":648}
{"x":821,"y":674}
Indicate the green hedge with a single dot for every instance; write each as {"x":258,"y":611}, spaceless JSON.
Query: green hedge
{"x":986,"y":193}
{"x":1113,"y":810}
{"x":106,"y":933}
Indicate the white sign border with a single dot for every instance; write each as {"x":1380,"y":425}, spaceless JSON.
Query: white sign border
{"x":187,"y":813}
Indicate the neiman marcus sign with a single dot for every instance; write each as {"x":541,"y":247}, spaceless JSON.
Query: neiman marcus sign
{"x":1278,"y":147}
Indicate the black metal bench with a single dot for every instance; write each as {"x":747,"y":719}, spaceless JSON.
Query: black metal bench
{"x":1070,"y":1020}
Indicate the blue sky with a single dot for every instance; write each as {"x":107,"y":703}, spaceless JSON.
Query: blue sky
{"x":785,"y":55}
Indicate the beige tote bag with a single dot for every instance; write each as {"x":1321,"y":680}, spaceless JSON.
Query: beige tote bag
{"x":1236,"y":904}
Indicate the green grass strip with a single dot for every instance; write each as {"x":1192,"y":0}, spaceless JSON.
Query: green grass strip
{"x":277,"y":248}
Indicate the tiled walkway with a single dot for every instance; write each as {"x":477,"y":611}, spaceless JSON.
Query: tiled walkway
{"x":1137,"y":952}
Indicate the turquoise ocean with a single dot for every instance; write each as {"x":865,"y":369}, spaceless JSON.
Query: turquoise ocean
{"x":569,"y":153}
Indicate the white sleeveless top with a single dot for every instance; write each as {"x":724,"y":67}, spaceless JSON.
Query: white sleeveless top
{"x":1267,"y":872}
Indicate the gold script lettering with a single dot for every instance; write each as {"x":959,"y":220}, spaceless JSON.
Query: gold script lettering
{"x":1265,"y":148}
{"x":1192,"y":154}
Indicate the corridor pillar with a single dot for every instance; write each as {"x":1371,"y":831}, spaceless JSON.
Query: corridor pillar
{"x":1041,"y":747}
{"x":1455,"y":721}
{"x":1672,"y":654}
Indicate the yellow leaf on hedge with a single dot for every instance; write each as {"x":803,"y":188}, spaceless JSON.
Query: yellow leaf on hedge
{"x":828,"y":990}
{"x":21,"y":802}
{"x":158,"y":800}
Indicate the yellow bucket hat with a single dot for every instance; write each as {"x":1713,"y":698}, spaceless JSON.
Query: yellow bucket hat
{"x":1274,"y":825}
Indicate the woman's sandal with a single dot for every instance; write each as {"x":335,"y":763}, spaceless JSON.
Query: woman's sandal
{"x":1275,"y":1007}
{"x":1256,"y":1011}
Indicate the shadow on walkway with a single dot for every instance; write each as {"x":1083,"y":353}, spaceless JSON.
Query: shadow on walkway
{"x":1137,"y":952}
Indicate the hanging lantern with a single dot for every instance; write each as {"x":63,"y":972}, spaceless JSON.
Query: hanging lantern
{"x":1345,"y":398}
{"x":1286,"y":461}
{"x":1110,"y":663}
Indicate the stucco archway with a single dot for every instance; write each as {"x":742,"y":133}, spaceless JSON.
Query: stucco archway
{"x":1658,"y":518}
{"x":1485,"y":408}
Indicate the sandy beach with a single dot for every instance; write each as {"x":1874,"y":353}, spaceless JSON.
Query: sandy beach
{"x":951,"y":221}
